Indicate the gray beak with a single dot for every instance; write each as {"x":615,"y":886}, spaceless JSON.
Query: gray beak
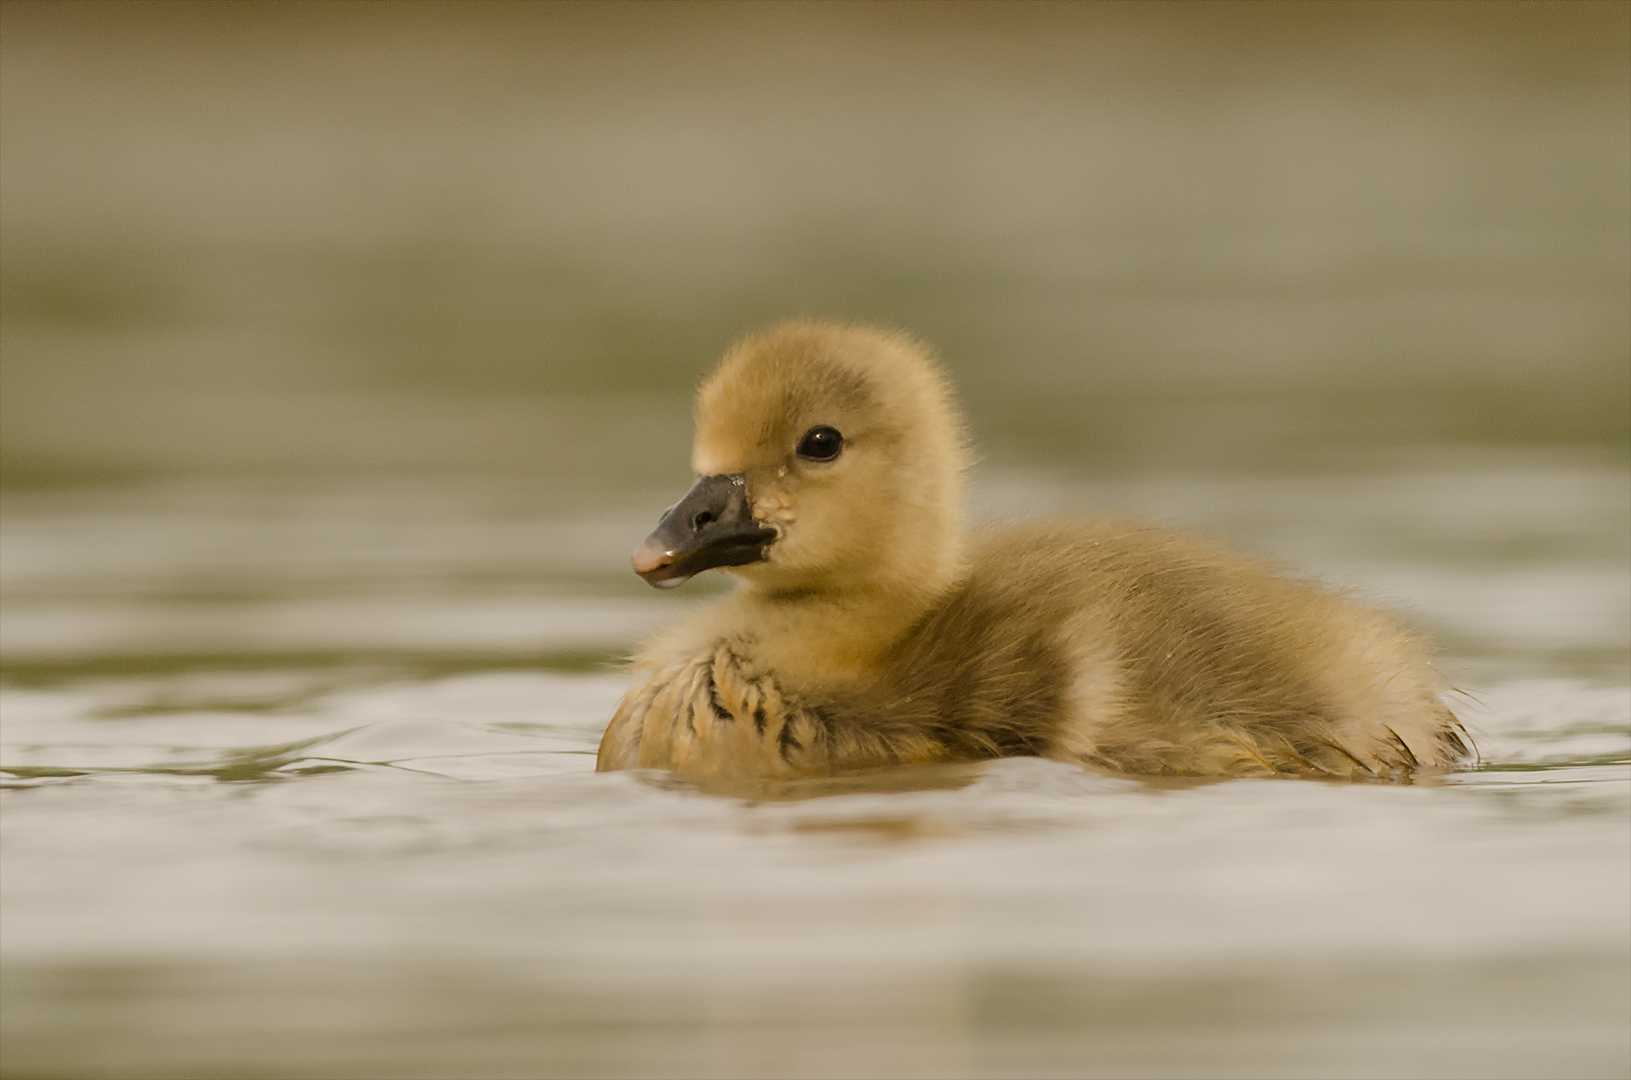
{"x":712,"y":526}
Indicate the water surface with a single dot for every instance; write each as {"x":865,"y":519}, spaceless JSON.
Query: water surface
{"x":300,"y":784}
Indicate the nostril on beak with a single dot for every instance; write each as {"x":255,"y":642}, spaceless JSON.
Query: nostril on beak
{"x":701,"y":519}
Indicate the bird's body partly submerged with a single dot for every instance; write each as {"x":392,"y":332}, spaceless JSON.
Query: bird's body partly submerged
{"x":871,"y":630}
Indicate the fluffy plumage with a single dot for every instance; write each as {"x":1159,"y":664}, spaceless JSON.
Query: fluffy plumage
{"x":875,"y":630}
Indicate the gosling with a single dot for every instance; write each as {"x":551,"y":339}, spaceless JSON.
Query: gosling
{"x":870,"y":628}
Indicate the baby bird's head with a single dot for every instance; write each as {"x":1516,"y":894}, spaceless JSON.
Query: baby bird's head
{"x":828,"y":458}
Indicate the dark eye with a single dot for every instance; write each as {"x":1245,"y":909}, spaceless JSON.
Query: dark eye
{"x":820,"y":444}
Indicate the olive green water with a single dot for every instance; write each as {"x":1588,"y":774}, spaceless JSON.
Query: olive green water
{"x":346,"y":353}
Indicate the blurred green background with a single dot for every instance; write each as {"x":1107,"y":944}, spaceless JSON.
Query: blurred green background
{"x":346,"y":351}
{"x":454,"y":239}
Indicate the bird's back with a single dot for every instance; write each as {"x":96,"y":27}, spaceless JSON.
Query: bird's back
{"x":1144,"y":651}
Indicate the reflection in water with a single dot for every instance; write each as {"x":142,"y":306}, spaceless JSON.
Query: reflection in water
{"x":223,"y":860}
{"x":411,"y":894}
{"x":328,"y":1018}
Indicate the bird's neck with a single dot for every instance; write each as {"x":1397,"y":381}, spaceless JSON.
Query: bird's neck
{"x":825,"y":637}
{"x":842,"y":628}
